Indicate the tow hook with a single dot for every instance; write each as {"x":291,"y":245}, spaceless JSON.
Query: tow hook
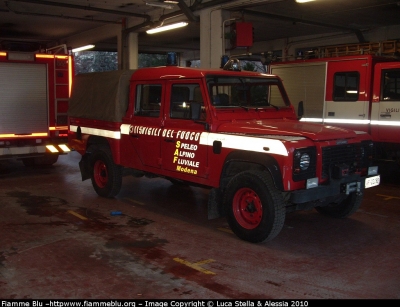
{"x":350,"y":187}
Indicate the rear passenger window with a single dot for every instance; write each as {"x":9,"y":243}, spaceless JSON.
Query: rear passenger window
{"x":148,"y":100}
{"x":345,"y":87}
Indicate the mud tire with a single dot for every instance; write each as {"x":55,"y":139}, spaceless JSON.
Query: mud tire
{"x":106,"y":176}
{"x":254,"y":207}
{"x":344,"y":208}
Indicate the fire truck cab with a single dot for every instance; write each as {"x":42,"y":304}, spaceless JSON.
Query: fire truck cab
{"x":359,"y":92}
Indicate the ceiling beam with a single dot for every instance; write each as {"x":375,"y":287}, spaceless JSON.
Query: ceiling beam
{"x":357,"y":32}
{"x":86,"y":8}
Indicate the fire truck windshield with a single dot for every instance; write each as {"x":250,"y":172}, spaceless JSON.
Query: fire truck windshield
{"x":245,"y":92}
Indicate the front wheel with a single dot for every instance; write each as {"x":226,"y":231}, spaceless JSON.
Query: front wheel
{"x":343,"y":208}
{"x":106,"y":176}
{"x":254,"y":207}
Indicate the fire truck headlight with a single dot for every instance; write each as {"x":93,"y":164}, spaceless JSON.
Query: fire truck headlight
{"x":305,"y":161}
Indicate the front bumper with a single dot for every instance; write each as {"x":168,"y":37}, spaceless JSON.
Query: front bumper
{"x":354,"y":183}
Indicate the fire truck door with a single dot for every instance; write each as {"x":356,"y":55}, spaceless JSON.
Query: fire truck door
{"x":143,"y":139}
{"x":180,"y":142}
{"x":385,"y":117}
{"x":346,"y":101}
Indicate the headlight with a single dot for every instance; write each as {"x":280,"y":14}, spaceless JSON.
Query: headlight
{"x":304,"y":163}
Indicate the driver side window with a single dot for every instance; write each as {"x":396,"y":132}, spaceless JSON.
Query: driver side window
{"x":182,"y":98}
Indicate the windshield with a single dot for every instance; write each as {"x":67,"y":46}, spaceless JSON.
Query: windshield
{"x":247,"y":92}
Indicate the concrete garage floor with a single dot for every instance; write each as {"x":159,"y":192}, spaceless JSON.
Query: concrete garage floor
{"x":58,"y":240}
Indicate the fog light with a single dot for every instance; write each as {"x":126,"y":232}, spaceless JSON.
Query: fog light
{"x":372,"y":170}
{"x":312,"y":183}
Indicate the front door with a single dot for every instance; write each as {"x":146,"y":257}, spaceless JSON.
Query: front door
{"x":180,"y":142}
{"x":347,"y":94}
{"x":387,"y":119}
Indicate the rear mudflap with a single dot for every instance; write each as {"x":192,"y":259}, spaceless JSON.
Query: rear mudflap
{"x":84,"y":166}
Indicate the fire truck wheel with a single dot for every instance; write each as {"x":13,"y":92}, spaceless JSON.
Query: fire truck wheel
{"x":342,"y":209}
{"x":254,"y":207}
{"x":106,"y":175}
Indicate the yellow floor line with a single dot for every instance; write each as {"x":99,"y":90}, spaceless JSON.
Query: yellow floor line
{"x":388,"y":197}
{"x":77,"y":215}
{"x":135,"y":201}
{"x":225,"y":230}
{"x":197,"y":265}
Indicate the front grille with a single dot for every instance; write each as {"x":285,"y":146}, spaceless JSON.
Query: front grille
{"x":354,"y":156}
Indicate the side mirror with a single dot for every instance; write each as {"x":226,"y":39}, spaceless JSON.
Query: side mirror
{"x":195,"y":110}
{"x":300,"y":110}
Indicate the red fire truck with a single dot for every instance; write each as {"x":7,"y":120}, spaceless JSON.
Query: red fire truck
{"x":34,"y":95}
{"x":359,"y":92}
{"x":234,"y":132}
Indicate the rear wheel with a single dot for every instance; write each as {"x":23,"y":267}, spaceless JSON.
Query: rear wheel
{"x":106,"y":176}
{"x":254,"y":207}
{"x":343,"y":208}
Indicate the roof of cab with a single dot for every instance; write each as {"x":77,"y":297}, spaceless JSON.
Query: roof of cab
{"x":177,"y":72}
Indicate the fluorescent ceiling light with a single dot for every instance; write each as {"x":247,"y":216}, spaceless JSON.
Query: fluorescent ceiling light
{"x":83,"y":48}
{"x":167,"y":27}
{"x":160,"y":4}
{"x":303,"y":1}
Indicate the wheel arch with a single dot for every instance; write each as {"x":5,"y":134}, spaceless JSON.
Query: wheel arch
{"x":93,"y":142}
{"x":239,"y":161}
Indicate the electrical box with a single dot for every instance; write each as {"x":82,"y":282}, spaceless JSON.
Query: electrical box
{"x":244,"y":34}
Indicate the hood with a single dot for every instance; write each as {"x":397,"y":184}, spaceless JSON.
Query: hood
{"x":286,"y":127}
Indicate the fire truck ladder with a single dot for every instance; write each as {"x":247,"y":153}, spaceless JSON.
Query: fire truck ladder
{"x":62,"y":86}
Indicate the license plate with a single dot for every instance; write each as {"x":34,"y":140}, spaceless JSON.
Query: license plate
{"x":372,"y":181}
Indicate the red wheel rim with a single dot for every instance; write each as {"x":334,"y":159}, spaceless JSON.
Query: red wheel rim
{"x":247,"y":208}
{"x":100,"y":173}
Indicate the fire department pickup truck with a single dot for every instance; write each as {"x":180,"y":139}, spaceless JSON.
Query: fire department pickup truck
{"x":234,"y":132}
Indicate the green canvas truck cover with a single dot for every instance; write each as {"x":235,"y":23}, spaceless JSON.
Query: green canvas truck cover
{"x":100,"y":96}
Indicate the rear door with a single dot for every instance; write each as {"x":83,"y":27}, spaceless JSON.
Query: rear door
{"x":141,"y":144}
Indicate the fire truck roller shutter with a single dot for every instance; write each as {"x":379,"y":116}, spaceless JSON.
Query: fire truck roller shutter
{"x":304,"y":83}
{"x":32,"y":78}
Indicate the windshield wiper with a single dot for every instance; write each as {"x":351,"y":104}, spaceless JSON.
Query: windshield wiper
{"x":276,"y":107}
